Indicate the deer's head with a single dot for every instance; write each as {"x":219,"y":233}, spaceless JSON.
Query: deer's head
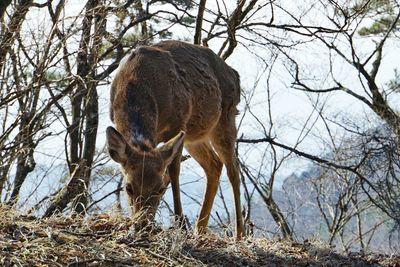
{"x":145,"y":171}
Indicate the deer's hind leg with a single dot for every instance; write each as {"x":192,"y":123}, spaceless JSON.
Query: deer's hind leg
{"x":223,"y":140}
{"x":204,"y":154}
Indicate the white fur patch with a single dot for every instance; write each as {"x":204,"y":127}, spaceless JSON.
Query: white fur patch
{"x":124,"y":60}
{"x":160,"y":144}
{"x":140,"y":139}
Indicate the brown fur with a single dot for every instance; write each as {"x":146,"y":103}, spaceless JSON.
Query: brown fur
{"x":177,"y":93}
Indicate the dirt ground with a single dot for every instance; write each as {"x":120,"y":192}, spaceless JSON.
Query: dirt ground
{"x":108,"y":240}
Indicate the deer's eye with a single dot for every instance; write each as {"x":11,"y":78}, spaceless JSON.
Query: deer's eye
{"x":128,"y":189}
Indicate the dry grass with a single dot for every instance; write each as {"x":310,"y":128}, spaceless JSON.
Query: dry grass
{"x":107,"y":240}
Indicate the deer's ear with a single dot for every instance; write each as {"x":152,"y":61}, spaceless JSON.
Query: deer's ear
{"x":172,"y":148}
{"x":117,"y":146}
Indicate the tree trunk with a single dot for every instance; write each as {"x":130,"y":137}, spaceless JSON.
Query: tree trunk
{"x":77,"y":188}
{"x":85,"y":117}
{"x":92,"y":122}
{"x":25,"y":165}
{"x":265,"y":191}
{"x":8,"y":36}
{"x":199,"y":22}
{"x":278,"y":217}
{"x":3,"y":6}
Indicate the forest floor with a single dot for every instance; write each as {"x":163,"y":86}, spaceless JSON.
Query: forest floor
{"x":108,"y":240}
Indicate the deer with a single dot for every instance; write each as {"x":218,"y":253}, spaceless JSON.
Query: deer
{"x":165,"y":97}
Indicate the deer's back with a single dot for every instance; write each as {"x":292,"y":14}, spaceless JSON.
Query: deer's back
{"x":172,"y":86}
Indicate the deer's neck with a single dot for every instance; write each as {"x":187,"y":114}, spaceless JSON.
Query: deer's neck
{"x":140,"y":117}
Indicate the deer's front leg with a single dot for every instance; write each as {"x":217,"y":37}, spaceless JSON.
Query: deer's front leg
{"x":173,"y":173}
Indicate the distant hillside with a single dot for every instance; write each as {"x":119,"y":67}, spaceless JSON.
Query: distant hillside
{"x":106,"y":240}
